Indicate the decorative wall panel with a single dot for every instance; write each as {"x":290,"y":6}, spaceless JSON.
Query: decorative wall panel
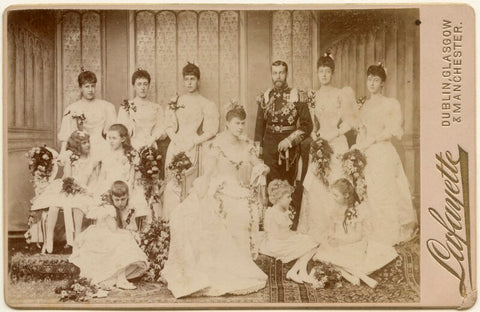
{"x":166,"y":54}
{"x":71,"y":57}
{"x":91,"y":46}
{"x":145,"y":46}
{"x":229,"y":60}
{"x":208,"y":53}
{"x":187,"y":47}
{"x":282,"y":38}
{"x":302,"y":50}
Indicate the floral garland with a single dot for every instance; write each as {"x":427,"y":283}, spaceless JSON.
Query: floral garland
{"x":150,"y":166}
{"x":326,"y":276}
{"x":353,"y":164}
{"x":179,"y":164}
{"x":155,"y":243}
{"x":78,"y":290}
{"x":253,"y":225}
{"x":71,"y":187}
{"x":321,"y":153}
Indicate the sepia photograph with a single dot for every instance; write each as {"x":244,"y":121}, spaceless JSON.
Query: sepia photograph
{"x":212,"y":156}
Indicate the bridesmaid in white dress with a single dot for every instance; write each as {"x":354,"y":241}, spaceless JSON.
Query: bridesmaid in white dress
{"x":143,"y":119}
{"x":388,"y":192}
{"x":335,"y":112}
{"x":346,"y":242}
{"x":183,"y":121}
{"x":214,"y":231}
{"x":88,"y":114}
{"x":83,"y":168}
{"x":280,"y":242}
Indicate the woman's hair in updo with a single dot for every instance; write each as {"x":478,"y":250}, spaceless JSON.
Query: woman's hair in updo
{"x":277,"y":188}
{"x":348,"y":191}
{"x":236,"y":111}
{"x":377,"y":70}
{"x":75,"y":140}
{"x":326,"y":61}
{"x":141,"y":73}
{"x":191,"y":69}
{"x":86,"y":76}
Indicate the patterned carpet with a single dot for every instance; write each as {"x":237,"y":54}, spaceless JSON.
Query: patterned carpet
{"x":398,"y":283}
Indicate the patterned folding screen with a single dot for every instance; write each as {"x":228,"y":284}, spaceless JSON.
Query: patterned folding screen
{"x":165,"y":41}
{"x":81,"y":45}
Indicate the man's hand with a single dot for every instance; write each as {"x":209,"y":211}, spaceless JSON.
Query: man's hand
{"x":284,"y":145}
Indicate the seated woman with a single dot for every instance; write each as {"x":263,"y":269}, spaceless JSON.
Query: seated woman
{"x":105,"y":252}
{"x":280,"y":242}
{"x":346,"y":245}
{"x":214,"y":230}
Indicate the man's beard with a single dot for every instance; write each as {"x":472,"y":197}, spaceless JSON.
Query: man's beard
{"x":279,"y":84}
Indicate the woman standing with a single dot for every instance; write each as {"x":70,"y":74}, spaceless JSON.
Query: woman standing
{"x":388,"y":194}
{"x":143,"y":119}
{"x":191,"y":119}
{"x":214,"y":230}
{"x":88,"y":114}
{"x":334,"y":115}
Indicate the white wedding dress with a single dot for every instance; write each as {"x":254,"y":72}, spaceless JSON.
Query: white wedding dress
{"x":214,"y":230}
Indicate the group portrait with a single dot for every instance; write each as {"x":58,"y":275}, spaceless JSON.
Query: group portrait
{"x":159,"y":156}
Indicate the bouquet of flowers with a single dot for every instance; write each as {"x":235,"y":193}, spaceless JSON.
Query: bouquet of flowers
{"x":71,"y":187}
{"x":353,"y":163}
{"x":326,"y":276}
{"x":155,"y":243}
{"x":179,"y":164}
{"x":321,"y":153}
{"x":41,"y":160}
{"x":150,"y":166}
{"x":78,"y":289}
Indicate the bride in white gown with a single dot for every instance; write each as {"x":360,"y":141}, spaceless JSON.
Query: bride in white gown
{"x":214,"y":230}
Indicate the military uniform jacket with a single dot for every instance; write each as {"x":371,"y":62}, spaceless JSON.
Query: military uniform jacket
{"x":282,"y":113}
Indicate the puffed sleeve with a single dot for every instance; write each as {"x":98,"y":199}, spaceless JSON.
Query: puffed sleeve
{"x":110,"y":116}
{"x":211,"y":121}
{"x":158,"y":131}
{"x":393,"y":121}
{"x":68,"y":125}
{"x":124,"y":119}
{"x":348,"y":109}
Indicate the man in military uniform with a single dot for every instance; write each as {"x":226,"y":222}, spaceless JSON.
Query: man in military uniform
{"x":283,"y":121}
